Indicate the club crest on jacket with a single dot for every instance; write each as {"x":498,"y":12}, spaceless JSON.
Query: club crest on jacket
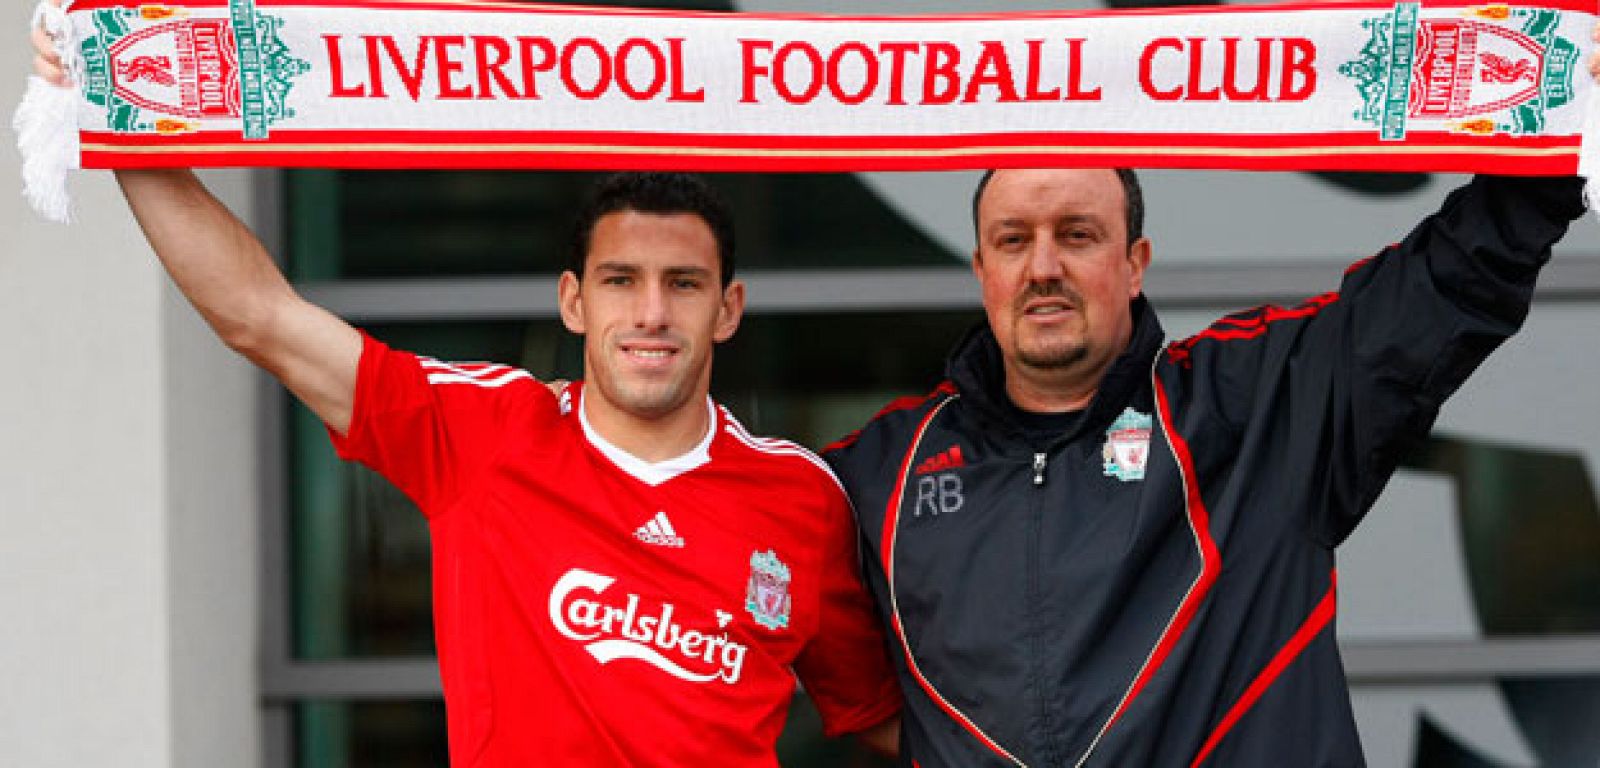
{"x":1127,"y":446}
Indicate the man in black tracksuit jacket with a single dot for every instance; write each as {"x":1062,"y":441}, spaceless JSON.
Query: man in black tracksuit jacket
{"x":1147,"y":579}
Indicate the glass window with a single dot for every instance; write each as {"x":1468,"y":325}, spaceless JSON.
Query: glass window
{"x":1530,"y":533}
{"x":409,"y":224}
{"x":370,"y":734}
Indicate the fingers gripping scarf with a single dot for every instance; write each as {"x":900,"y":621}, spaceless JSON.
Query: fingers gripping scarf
{"x":1436,"y":86}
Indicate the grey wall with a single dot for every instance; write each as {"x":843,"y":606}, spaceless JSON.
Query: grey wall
{"x":128,"y":494}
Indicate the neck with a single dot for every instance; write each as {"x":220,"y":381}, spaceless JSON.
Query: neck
{"x":1051,"y":390}
{"x":648,"y":438}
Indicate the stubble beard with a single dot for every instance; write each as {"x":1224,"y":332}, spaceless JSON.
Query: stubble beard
{"x":1050,"y":354}
{"x":1047,"y":356}
{"x":650,"y":399}
{"x":644,"y":396}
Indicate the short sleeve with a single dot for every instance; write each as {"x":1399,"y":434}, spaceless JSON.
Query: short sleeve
{"x":431,"y":427}
{"x":845,"y":668}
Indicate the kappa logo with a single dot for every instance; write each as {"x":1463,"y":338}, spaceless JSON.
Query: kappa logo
{"x":625,"y":629}
{"x":659,"y":531}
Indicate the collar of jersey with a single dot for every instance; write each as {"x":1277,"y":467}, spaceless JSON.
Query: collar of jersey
{"x":647,"y":472}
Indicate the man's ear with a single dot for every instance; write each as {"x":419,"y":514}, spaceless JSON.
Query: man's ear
{"x":571,"y":299}
{"x":1138,"y":261}
{"x":730,"y":313}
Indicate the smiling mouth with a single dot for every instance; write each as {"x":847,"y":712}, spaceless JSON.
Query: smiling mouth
{"x":648,"y":354}
{"x":1047,"y":310}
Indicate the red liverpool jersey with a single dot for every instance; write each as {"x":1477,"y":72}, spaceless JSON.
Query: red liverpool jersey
{"x":593,"y":609}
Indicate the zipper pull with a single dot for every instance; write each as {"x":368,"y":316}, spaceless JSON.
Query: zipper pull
{"x":1038,"y":469}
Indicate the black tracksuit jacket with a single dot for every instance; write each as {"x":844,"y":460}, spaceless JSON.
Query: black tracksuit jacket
{"x":1051,"y":605}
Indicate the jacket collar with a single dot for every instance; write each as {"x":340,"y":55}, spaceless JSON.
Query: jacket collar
{"x":976,"y":368}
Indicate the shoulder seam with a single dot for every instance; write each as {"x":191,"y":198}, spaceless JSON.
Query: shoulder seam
{"x":1250,"y":324}
{"x":906,"y":403}
{"x":485,"y":375}
{"x":774,"y":446}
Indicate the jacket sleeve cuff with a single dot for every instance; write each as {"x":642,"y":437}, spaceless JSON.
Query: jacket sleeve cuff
{"x":1557,"y":200}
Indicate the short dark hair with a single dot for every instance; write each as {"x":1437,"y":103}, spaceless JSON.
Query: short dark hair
{"x":661,"y":193}
{"x":1131,"y":191}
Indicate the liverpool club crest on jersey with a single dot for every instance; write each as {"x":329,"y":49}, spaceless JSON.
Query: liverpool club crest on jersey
{"x":1127,"y":446}
{"x":767,"y":596}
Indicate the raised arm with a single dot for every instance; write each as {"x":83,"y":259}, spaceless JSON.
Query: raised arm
{"x":226,"y":273}
{"x":228,"y":276}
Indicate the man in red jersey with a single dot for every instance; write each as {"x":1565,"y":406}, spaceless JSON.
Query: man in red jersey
{"x":622,"y":575}
{"x":632,"y":577}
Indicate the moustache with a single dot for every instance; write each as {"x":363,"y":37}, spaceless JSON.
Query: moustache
{"x":1053,"y":289}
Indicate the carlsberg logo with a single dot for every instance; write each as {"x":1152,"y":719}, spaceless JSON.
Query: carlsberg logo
{"x":612,"y":630}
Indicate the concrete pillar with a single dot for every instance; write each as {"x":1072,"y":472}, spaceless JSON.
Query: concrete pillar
{"x":129,"y":489}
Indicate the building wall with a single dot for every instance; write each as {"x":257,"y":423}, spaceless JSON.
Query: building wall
{"x":213,"y":454}
{"x":128,"y":455}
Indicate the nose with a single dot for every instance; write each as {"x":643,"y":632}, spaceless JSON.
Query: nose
{"x":651,"y":311}
{"x":1044,"y":261}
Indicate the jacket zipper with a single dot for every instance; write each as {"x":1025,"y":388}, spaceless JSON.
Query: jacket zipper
{"x":1039,"y":725}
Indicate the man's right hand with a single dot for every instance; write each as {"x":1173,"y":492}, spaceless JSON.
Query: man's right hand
{"x":46,"y":63}
{"x":1594,"y":58}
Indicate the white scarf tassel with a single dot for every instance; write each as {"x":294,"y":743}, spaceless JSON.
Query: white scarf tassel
{"x":47,"y":126}
{"x":1589,"y":152}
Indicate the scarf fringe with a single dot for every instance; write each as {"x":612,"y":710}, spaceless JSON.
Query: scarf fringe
{"x":1589,"y":153}
{"x":47,"y":127}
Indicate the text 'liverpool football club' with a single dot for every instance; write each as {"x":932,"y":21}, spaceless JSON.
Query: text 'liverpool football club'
{"x":889,"y":73}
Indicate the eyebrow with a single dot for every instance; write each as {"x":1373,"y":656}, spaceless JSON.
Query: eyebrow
{"x":1003,"y":224}
{"x":1071,"y":218}
{"x":634,"y":269}
{"x":616,"y":266}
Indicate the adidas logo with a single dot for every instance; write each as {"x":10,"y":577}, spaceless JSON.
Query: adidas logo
{"x":949,"y":458}
{"x":659,"y":532}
